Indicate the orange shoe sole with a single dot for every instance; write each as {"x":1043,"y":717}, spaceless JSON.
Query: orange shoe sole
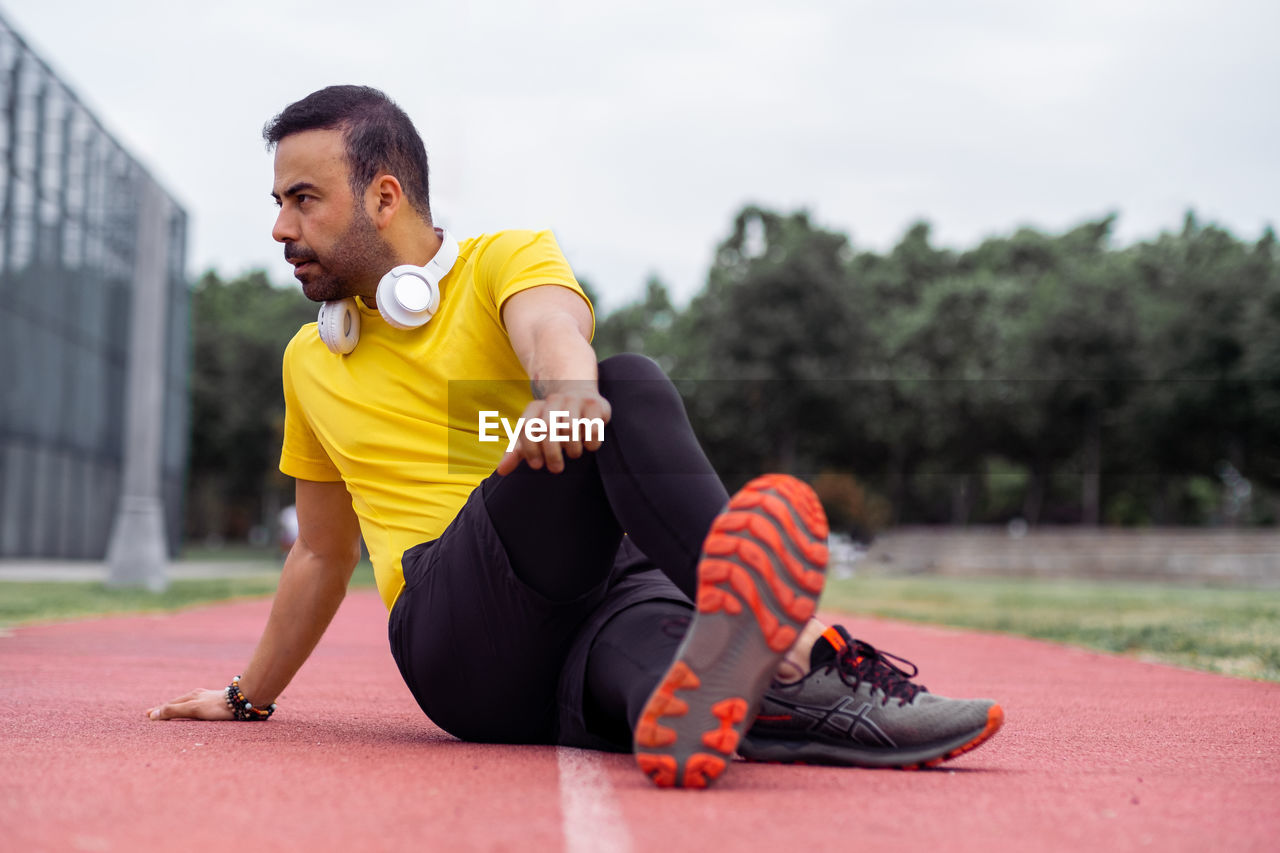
{"x":761,"y":572}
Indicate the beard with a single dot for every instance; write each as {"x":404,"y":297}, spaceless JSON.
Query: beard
{"x":358,"y":259}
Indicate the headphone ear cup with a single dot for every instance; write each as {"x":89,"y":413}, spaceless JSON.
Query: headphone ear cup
{"x":408,"y":296}
{"x":339,"y":325}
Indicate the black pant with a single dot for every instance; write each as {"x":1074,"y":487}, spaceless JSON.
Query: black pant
{"x":532,"y":586}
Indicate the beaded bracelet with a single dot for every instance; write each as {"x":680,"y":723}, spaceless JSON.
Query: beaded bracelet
{"x":242,"y":708}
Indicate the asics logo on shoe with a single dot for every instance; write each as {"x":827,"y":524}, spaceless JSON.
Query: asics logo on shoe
{"x":841,"y":719}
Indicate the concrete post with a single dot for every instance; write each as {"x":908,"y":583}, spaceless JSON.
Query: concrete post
{"x":138,"y":555}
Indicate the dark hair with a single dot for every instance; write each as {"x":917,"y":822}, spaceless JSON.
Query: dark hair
{"x":379,"y":137}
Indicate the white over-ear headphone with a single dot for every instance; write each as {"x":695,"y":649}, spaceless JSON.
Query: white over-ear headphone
{"x":339,"y":325}
{"x":408,"y":296}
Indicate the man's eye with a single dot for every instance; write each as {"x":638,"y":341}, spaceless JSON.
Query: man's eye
{"x":301,"y":197}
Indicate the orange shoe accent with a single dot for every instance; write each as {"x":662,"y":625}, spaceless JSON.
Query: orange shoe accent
{"x":682,"y":677}
{"x":755,"y":557}
{"x":711,"y":598}
{"x":723,"y":739}
{"x":803,"y":609}
{"x":995,"y":719}
{"x":664,"y":703}
{"x":801,"y":498}
{"x":733,"y":710}
{"x":745,"y":586}
{"x":728,"y":711}
{"x":649,"y":733}
{"x":779,"y":637}
{"x":714,"y":571}
{"x":714,"y":599}
{"x":781,"y":512}
{"x":815,"y":552}
{"x":783,"y":638}
{"x":832,"y":636}
{"x":660,"y":768}
{"x":702,"y":770}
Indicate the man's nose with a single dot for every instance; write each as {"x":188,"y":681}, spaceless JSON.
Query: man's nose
{"x":286,"y":227}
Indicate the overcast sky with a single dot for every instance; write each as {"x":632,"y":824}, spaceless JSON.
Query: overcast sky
{"x":636,"y":134}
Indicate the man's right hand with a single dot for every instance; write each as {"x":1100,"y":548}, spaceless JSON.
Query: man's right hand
{"x":312,"y":585}
{"x":196,"y":705}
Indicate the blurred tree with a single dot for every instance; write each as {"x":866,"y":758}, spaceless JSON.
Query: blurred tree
{"x":1261,"y":362}
{"x":897,"y":433}
{"x":944,"y":351}
{"x":240,"y":329}
{"x":1075,"y":381}
{"x":771,"y":338}
{"x":644,"y":326}
{"x":1209,"y":341}
{"x":1076,"y":347}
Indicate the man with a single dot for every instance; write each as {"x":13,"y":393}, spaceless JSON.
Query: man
{"x":542,"y":594}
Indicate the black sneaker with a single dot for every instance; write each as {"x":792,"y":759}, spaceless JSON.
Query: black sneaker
{"x":859,"y":708}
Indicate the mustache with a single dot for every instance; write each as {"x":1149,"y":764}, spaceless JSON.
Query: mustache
{"x":294,"y":252}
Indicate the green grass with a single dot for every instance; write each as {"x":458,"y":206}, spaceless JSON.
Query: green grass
{"x":42,"y":601}
{"x":232,"y":552}
{"x":1229,"y":631}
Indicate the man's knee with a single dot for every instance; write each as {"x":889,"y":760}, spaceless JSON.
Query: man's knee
{"x":635,"y":384}
{"x":630,"y":365}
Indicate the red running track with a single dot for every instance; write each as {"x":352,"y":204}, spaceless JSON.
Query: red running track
{"x":1098,"y":753}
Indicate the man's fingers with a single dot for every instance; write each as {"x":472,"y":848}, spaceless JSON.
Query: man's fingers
{"x":168,"y":711}
{"x":573,"y":446}
{"x":557,"y":415}
{"x":597,"y":407}
{"x":531,"y":452}
{"x":159,"y":711}
{"x":196,"y":705}
{"x":561,"y":411}
{"x":184,"y":710}
{"x":552,"y":453}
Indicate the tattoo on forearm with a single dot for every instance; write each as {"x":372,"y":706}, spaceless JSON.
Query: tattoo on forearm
{"x":539,"y":387}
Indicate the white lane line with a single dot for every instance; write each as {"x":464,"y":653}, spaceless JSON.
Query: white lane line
{"x":589,"y":813}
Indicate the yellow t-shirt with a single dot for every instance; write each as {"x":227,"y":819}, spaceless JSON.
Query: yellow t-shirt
{"x":397,"y":419}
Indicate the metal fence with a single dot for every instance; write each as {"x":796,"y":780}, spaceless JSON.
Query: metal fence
{"x":69,"y":227}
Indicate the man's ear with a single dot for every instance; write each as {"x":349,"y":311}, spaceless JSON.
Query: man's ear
{"x":386,"y":196}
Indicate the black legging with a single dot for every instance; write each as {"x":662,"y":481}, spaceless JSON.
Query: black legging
{"x":649,"y":478}
{"x":561,"y":532}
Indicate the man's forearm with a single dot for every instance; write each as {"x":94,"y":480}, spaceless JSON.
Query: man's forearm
{"x":310,"y":591}
{"x":561,"y":356}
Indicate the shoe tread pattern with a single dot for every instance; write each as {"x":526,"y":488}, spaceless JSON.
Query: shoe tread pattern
{"x":762,"y":569}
